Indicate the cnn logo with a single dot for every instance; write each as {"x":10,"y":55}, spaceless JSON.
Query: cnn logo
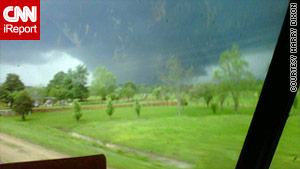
{"x":20,"y":14}
{"x":20,"y":20}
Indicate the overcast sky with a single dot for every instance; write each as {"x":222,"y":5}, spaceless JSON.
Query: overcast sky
{"x":134,"y":38}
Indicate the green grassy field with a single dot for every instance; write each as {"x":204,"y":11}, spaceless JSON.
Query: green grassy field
{"x":197,"y":137}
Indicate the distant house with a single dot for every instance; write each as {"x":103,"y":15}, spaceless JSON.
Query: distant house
{"x":36,"y":103}
{"x":49,"y":101}
{"x":61,"y":102}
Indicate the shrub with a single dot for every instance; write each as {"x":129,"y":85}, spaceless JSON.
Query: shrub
{"x":167,"y":98}
{"x":137,"y":107}
{"x":183,"y":102}
{"x":157,"y":92}
{"x":77,"y":109}
{"x":23,"y":103}
{"x":114,"y":96}
{"x":110,"y":107}
{"x":214,"y":107}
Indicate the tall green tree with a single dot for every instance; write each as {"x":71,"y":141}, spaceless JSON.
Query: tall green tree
{"x":58,"y":80}
{"x":207,"y":91}
{"x":59,"y":86}
{"x":37,"y":93}
{"x":70,"y":85}
{"x":129,"y":89}
{"x":222,"y":93}
{"x":233,"y":71}
{"x":195,"y":92}
{"x":11,"y":85}
{"x":104,"y":82}
{"x":79,"y":79}
{"x":23,"y":103}
{"x":175,"y":75}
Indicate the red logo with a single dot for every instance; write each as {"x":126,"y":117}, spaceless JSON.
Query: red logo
{"x":20,"y":20}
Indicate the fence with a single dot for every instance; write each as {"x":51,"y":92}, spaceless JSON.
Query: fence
{"x":103,"y":107}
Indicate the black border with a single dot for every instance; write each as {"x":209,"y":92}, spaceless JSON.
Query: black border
{"x":273,"y":107}
{"x":83,"y":162}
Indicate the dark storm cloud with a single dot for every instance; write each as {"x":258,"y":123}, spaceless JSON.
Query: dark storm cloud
{"x":135,"y":38}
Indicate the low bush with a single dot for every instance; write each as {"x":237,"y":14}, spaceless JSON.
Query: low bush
{"x":77,"y":109}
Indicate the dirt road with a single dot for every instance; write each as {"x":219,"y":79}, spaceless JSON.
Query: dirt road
{"x":13,"y":149}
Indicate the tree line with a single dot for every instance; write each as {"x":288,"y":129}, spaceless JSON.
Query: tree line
{"x":230,"y":79}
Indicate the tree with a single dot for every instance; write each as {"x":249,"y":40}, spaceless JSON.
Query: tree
{"x":22,"y":103}
{"x":37,"y":93}
{"x":59,"y":87}
{"x":114,"y":96}
{"x":145,"y":89}
{"x":11,"y":85}
{"x":174,"y":76}
{"x":195,"y":92}
{"x":71,"y":85}
{"x":78,"y":82}
{"x":207,"y":92}
{"x":103,"y":83}
{"x":167,"y":98}
{"x":118,"y":92}
{"x":183,"y":102}
{"x":233,"y":71}
{"x":58,"y":80}
{"x":110,"y":107}
{"x":222,"y":94}
{"x":5,"y":96}
{"x":77,"y":109}
{"x":214,"y":107}
{"x":165,"y":92}
{"x":157,"y":92}
{"x":137,"y":107}
{"x":129,"y":89}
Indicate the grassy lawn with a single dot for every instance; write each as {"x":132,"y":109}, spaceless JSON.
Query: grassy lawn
{"x":198,"y":137}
